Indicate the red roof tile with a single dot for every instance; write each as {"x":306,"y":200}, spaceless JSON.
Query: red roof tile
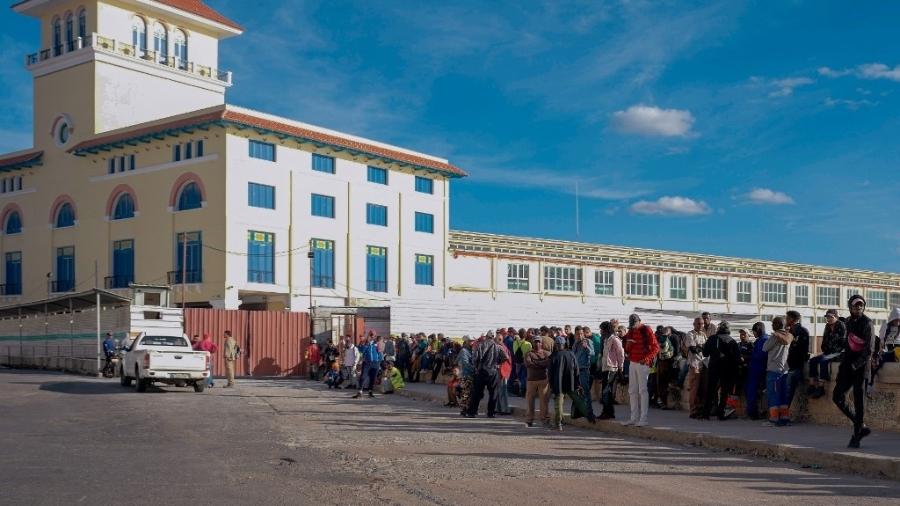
{"x":201,"y":9}
{"x":21,"y":158}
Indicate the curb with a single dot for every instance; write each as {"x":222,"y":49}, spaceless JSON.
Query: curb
{"x":868,"y":466}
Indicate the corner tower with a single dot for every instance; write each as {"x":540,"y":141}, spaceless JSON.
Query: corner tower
{"x":109,"y":64}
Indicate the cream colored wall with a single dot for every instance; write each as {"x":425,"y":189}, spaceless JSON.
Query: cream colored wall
{"x":59,"y":9}
{"x":70,"y":92}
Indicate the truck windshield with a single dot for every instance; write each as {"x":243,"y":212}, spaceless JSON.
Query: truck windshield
{"x":163,"y":341}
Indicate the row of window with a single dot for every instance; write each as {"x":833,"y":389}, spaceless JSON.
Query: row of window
{"x":70,"y":20}
{"x":120,"y":164}
{"x":322,"y":271}
{"x":376,"y":214}
{"x":644,"y":284}
{"x":160,"y":41}
{"x":187,"y":150}
{"x":10,"y":184}
{"x":321,"y":163}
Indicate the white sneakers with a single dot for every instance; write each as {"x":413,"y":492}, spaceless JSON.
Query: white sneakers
{"x":641,"y":424}
{"x":636,"y":423}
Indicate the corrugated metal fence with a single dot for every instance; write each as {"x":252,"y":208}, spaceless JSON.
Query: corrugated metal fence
{"x":273,"y":343}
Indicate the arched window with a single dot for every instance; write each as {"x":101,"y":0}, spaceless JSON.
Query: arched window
{"x":124,"y":207}
{"x":13,"y":223}
{"x":139,"y":35}
{"x":70,"y":32}
{"x":82,"y":23}
{"x":160,"y":42}
{"x":179,"y":40}
{"x":190,"y":197}
{"x":65,"y":216}
{"x":57,"y":37}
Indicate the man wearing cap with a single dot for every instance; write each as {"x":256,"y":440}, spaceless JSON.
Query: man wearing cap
{"x":641,"y":348}
{"x":854,"y":368}
{"x":834,"y":339}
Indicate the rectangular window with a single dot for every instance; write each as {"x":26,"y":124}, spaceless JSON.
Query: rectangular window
{"x":801,"y":295}
{"x":642,"y":284}
{"x":851,"y":292}
{"x":65,"y":269}
{"x":19,"y":183}
{"x":517,"y":276}
{"x":604,"y":282}
{"x":424,"y":185}
{"x":678,"y":287}
{"x":262,"y":150}
{"x":562,"y":279}
{"x":828,"y":296}
{"x":131,"y":162}
{"x":323,"y":263}
{"x":378,"y":175}
{"x":13,"y":273}
{"x":774,"y":292}
{"x":199,"y":149}
{"x":121,"y":164}
{"x":176,"y":153}
{"x":744,"y":291}
{"x":188,"y":258}
{"x":877,"y":299}
{"x":322,"y":205}
{"x":260,"y":257}
{"x":376,"y":215}
{"x":321,"y":163}
{"x":424,"y":222}
{"x":425,"y":270}
{"x":123,"y":264}
{"x":111,"y":166}
{"x":188,"y":151}
{"x":895,"y":299}
{"x":712,"y":289}
{"x":376,"y":269}
{"x":261,"y":195}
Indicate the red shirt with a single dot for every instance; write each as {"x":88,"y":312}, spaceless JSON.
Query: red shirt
{"x":208,"y":345}
{"x":641,"y":345}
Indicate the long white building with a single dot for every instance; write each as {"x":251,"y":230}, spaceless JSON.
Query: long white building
{"x":141,"y":173}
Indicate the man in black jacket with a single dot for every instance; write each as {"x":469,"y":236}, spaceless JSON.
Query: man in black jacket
{"x":834,"y":340}
{"x":563,"y":377}
{"x":486,"y":358}
{"x":855,"y":367}
{"x":798,"y":353}
{"x":724,"y":358}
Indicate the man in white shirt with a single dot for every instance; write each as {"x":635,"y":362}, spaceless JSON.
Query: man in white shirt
{"x":696,"y":378}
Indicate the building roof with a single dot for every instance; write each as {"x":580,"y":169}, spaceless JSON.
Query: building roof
{"x":21,"y":160}
{"x":199,"y":8}
{"x":73,"y":301}
{"x":642,"y":259}
{"x":243,"y":119}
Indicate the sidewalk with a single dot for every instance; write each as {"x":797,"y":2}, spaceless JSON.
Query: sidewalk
{"x":809,"y":445}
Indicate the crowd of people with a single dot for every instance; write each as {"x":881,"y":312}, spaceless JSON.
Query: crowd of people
{"x":577,"y":363}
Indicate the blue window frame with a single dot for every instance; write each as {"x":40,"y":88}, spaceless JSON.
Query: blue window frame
{"x":322,"y":163}
{"x":261,"y":195}
{"x":111,"y":166}
{"x":378,"y":175}
{"x":260,"y":257}
{"x":425,"y":270}
{"x":13,"y":273}
{"x":57,"y":37}
{"x":190,"y":197}
{"x":13,"y":223}
{"x":199,"y":149}
{"x":322,"y":205}
{"x":188,"y":151}
{"x":65,"y":269}
{"x":123,"y":263}
{"x":193,"y":267}
{"x":65,"y":216}
{"x":82,"y":24}
{"x":124,"y":207}
{"x":176,"y":153}
{"x":262,"y":150}
{"x":424,"y":185}
{"x":376,"y":269}
{"x":424,"y":222}
{"x":376,"y":215}
{"x":131,"y":163}
{"x":323,"y":263}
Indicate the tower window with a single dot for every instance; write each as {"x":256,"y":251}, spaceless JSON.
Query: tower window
{"x":139,"y":35}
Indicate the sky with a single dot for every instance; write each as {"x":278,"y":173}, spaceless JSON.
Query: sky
{"x":755,"y":129}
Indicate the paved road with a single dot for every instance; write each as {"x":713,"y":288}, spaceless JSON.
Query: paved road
{"x":70,"y":440}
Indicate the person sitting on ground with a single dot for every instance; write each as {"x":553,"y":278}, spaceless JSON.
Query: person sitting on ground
{"x":333,"y":377}
{"x":392,"y":378}
{"x":834,"y":339}
{"x":777,"y":347}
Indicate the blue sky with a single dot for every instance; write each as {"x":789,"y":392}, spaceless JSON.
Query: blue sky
{"x":755,"y":129}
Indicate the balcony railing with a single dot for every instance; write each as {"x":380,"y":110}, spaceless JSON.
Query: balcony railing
{"x":113,"y":282}
{"x":62,"y":286}
{"x":108,"y":45}
{"x":190,"y":276}
{"x":11,"y":289}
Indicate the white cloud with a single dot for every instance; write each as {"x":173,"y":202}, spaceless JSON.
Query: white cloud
{"x":767,"y":196}
{"x":830,"y":72}
{"x":785,"y":87}
{"x":865,"y":71}
{"x":849,"y":104}
{"x":652,"y":121}
{"x":671,"y":206}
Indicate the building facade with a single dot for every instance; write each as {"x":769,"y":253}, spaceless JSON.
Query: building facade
{"x":141,"y":173}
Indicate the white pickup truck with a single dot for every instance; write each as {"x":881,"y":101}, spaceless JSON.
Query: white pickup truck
{"x":163,"y":359}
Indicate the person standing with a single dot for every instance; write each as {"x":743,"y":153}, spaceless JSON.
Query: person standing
{"x":231,"y":353}
{"x":709,"y":328}
{"x":889,"y":337}
{"x":612,"y":359}
{"x":536,"y":363}
{"x":665,"y":361}
{"x":485,"y":360}
{"x":563,"y":378}
{"x":696,"y":377}
{"x":834,"y":339}
{"x":466,"y":375}
{"x":596,"y":376}
{"x":855,"y":367}
{"x":313,"y":358}
{"x":371,"y":364}
{"x":756,"y":370}
{"x":641,"y":347}
{"x":504,"y":370}
{"x":778,"y":348}
{"x":521,"y":348}
{"x":349,"y":361}
{"x":210,"y":347}
{"x":724,"y":358}
{"x":583,"y":349}
{"x":404,"y":356}
{"x":798,"y":357}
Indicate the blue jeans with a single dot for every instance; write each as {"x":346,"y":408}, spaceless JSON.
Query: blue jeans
{"x":794,"y":380}
{"x":209,"y":380}
{"x":584,"y":381}
{"x":503,"y":397}
{"x":777,"y":395}
{"x":369,"y":373}
{"x":523,"y":376}
{"x":755,"y":377}
{"x":818,"y":368}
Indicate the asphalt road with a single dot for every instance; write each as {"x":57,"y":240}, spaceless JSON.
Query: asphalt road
{"x":75,"y":440}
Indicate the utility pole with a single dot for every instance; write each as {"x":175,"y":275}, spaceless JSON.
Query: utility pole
{"x":311,"y":255}
{"x":183,"y":277}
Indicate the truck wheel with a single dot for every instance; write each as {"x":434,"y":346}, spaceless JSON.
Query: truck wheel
{"x":123,"y":379}
{"x":200,"y":386}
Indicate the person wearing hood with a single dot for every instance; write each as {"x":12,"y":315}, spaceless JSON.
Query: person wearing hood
{"x":756,"y":370}
{"x":834,"y":339}
{"x":466,"y":375}
{"x":641,"y":348}
{"x":889,"y":337}
{"x":854,"y":368}
{"x":777,"y":348}
{"x":562,"y":375}
{"x":724,"y":358}
{"x":798,"y":357}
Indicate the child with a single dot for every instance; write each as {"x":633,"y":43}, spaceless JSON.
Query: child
{"x":452,"y":386}
{"x":334,"y":378}
{"x":776,"y":374}
{"x":392,"y":379}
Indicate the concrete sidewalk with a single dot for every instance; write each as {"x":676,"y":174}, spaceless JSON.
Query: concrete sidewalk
{"x":814,"y":446}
